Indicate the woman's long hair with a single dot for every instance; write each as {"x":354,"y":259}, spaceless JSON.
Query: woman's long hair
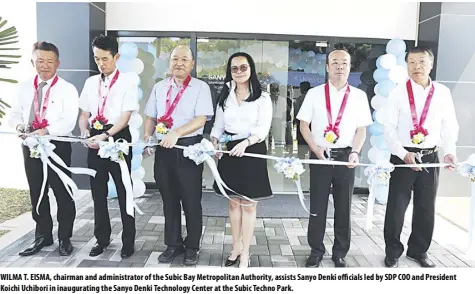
{"x":254,"y":85}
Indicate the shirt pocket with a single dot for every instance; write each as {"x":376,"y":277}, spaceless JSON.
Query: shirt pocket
{"x":55,"y":109}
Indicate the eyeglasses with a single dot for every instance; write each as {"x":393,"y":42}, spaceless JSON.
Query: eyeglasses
{"x":242,"y":68}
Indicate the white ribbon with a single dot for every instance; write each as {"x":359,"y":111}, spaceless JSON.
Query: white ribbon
{"x":292,"y":168}
{"x":115,"y":151}
{"x":202,"y":152}
{"x":43,"y":149}
{"x":378,"y":176}
{"x":467,"y":169}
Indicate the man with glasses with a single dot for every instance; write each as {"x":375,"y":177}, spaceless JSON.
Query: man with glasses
{"x":419,"y":115}
{"x":177,"y":111}
{"x":339,"y":114}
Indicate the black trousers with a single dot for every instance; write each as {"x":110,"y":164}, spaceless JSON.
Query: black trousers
{"x":424,"y":185}
{"x":66,"y":206}
{"x":322,"y":177}
{"x":104,"y":166}
{"x":179,"y":179}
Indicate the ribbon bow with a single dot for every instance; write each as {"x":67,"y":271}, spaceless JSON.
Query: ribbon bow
{"x":292,"y":168}
{"x":43,"y":149}
{"x":378,"y":176}
{"x":225,"y":138}
{"x":202,"y":152}
{"x":115,"y":150}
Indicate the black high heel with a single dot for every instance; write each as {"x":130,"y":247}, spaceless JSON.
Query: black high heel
{"x":230,"y":262}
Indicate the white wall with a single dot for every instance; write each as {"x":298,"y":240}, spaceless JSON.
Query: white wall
{"x":382,"y":19}
{"x":23,"y":17}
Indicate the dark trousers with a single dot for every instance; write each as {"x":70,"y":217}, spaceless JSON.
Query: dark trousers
{"x":322,"y":177}
{"x":179,"y":179}
{"x":104,"y":166}
{"x":424,"y":185}
{"x":66,"y":206}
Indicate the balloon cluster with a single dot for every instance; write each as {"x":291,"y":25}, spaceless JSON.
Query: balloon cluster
{"x":391,"y":70}
{"x":308,"y":61}
{"x":129,"y":64}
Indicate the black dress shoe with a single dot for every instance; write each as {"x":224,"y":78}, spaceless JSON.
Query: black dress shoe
{"x":230,"y":262}
{"x":65,"y":247}
{"x":98,"y":249}
{"x":339,"y":262}
{"x":36,"y":246}
{"x":170,"y":254}
{"x":313,"y":261}
{"x":191,"y":256}
{"x":391,"y":262}
{"x":422,"y":261}
{"x":124,"y":253}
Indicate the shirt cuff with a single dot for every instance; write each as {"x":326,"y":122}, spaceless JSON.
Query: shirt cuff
{"x":401,"y":153}
{"x":450,"y":149}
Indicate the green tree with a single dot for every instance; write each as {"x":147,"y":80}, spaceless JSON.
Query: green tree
{"x":8,"y":36}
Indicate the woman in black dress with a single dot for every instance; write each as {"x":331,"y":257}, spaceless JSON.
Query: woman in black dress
{"x":244,"y":112}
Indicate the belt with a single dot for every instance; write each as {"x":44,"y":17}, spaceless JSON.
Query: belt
{"x":337,"y":152}
{"x":423,"y":152}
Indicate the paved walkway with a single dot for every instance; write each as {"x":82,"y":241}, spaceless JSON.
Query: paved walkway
{"x":277,"y":242}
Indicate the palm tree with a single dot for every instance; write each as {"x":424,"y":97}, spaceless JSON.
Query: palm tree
{"x":8,"y":36}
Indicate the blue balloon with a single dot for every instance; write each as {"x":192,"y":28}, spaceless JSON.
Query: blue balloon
{"x":376,"y":129}
{"x":138,"y":148}
{"x":128,"y":50}
{"x":380,"y":142}
{"x":385,"y":87}
{"x":139,"y":94}
{"x":112,"y":189}
{"x":396,"y":47}
{"x":380,"y":74}
{"x":136,"y":162}
{"x":378,"y":62}
{"x":374,"y":115}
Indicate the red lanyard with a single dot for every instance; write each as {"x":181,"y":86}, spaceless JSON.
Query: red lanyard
{"x":425,"y":110}
{"x":40,"y":116}
{"x":100,"y":110}
{"x":170,"y":108}
{"x":334,"y":127}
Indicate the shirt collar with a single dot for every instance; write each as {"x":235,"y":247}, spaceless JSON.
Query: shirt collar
{"x":109,"y":77}
{"x":48,"y":82}
{"x":174,"y":85}
{"x":334,"y":89}
{"x":416,"y":85}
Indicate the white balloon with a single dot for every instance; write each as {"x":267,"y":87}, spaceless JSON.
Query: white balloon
{"x":388,"y":61}
{"x":380,"y":116}
{"x":134,"y":77}
{"x":377,"y":156}
{"x":378,"y":101}
{"x":137,"y":66}
{"x":136,"y":121}
{"x":135,"y":134}
{"x":398,"y":74}
{"x":138,"y":174}
{"x":138,"y":187}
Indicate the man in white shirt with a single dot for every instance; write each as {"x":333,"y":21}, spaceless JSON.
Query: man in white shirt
{"x":339,"y":114}
{"x":107,"y":102}
{"x":419,"y":117}
{"x":177,"y":110}
{"x":47,"y":105}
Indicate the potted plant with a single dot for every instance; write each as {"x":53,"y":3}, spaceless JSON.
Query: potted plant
{"x":8,"y":37}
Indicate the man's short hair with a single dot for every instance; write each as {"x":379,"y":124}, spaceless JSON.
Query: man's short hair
{"x":338,"y":49}
{"x":106,"y":43}
{"x":421,"y":49}
{"x":45,"y":46}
